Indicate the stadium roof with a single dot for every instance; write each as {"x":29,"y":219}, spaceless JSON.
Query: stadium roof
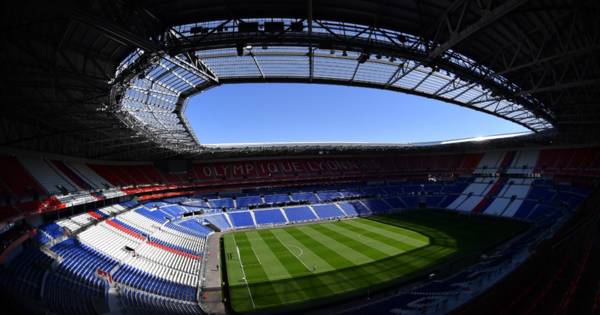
{"x":109,"y":80}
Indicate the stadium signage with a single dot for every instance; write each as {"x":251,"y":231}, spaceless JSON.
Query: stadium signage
{"x":239,"y":169}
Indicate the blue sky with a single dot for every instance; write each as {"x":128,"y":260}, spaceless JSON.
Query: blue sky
{"x":274,"y":112}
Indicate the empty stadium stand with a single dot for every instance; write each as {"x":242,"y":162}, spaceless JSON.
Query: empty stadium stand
{"x":149,"y":254}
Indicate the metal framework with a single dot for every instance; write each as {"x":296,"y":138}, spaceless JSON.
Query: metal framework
{"x":110,"y":79}
{"x":202,"y":55}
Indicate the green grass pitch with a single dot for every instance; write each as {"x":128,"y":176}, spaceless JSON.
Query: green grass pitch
{"x":278,"y":267}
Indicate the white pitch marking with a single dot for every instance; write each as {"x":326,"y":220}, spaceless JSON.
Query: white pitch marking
{"x":244,"y":272}
{"x":255,"y":255}
{"x":298,"y":248}
{"x":298,"y":256}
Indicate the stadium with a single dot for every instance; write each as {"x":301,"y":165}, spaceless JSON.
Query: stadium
{"x":111,"y":204}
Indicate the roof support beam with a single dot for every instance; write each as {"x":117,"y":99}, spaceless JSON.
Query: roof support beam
{"x":487,"y":18}
{"x":191,"y":62}
{"x":561,"y":86}
{"x":401,"y":72}
{"x":311,"y":57}
{"x":258,"y":67}
{"x":536,"y":62}
{"x":114,"y":31}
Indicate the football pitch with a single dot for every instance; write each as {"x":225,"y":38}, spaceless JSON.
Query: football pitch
{"x":279,"y":267}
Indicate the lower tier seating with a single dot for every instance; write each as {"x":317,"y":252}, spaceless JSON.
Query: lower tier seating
{"x":269,"y":217}
{"x":299,"y":214}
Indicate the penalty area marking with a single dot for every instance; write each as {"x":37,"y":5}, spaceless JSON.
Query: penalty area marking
{"x":255,"y":255}
{"x":289,"y":246}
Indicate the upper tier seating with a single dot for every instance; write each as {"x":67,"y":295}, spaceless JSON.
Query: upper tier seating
{"x":87,"y":174}
{"x":328,"y":195}
{"x":17,"y":179}
{"x":71,"y":175}
{"x":570,"y":162}
{"x":248,"y":201}
{"x":305,"y":197}
{"x":30,"y":178}
{"x":490,"y":163}
{"x":276,"y":198}
{"x":524,"y":162}
{"x":221,"y":203}
{"x":52,"y":179}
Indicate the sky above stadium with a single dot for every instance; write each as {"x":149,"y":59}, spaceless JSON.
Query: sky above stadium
{"x":274,"y":112}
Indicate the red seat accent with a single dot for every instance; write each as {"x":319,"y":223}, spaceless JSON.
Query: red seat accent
{"x":125,"y":230}
{"x":487,"y":199}
{"x":95,"y":215}
{"x":173,"y":250}
{"x":71,"y":175}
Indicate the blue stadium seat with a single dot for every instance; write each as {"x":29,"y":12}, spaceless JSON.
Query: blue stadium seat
{"x":269,"y":216}
{"x":129,"y":204}
{"x":328,"y":211}
{"x":52,"y":229}
{"x":373,"y":191}
{"x":525,"y":209}
{"x":305,"y":197}
{"x":141,"y":280}
{"x":73,"y":288}
{"x":348,"y":208}
{"x":174,"y":211}
{"x":196,"y":226}
{"x":299,"y":214}
{"x":155,"y":215}
{"x":221,"y":203}
{"x":219,"y":220}
{"x":376,"y":205}
{"x":328,"y":195}
{"x":434,"y":201}
{"x":24,"y":274}
{"x":248,"y":201}
{"x":395,"y":202}
{"x":139,"y":302}
{"x":277,"y":199}
{"x":411,"y":202}
{"x":360,"y":208}
{"x":185,"y":230}
{"x":241,"y":219}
